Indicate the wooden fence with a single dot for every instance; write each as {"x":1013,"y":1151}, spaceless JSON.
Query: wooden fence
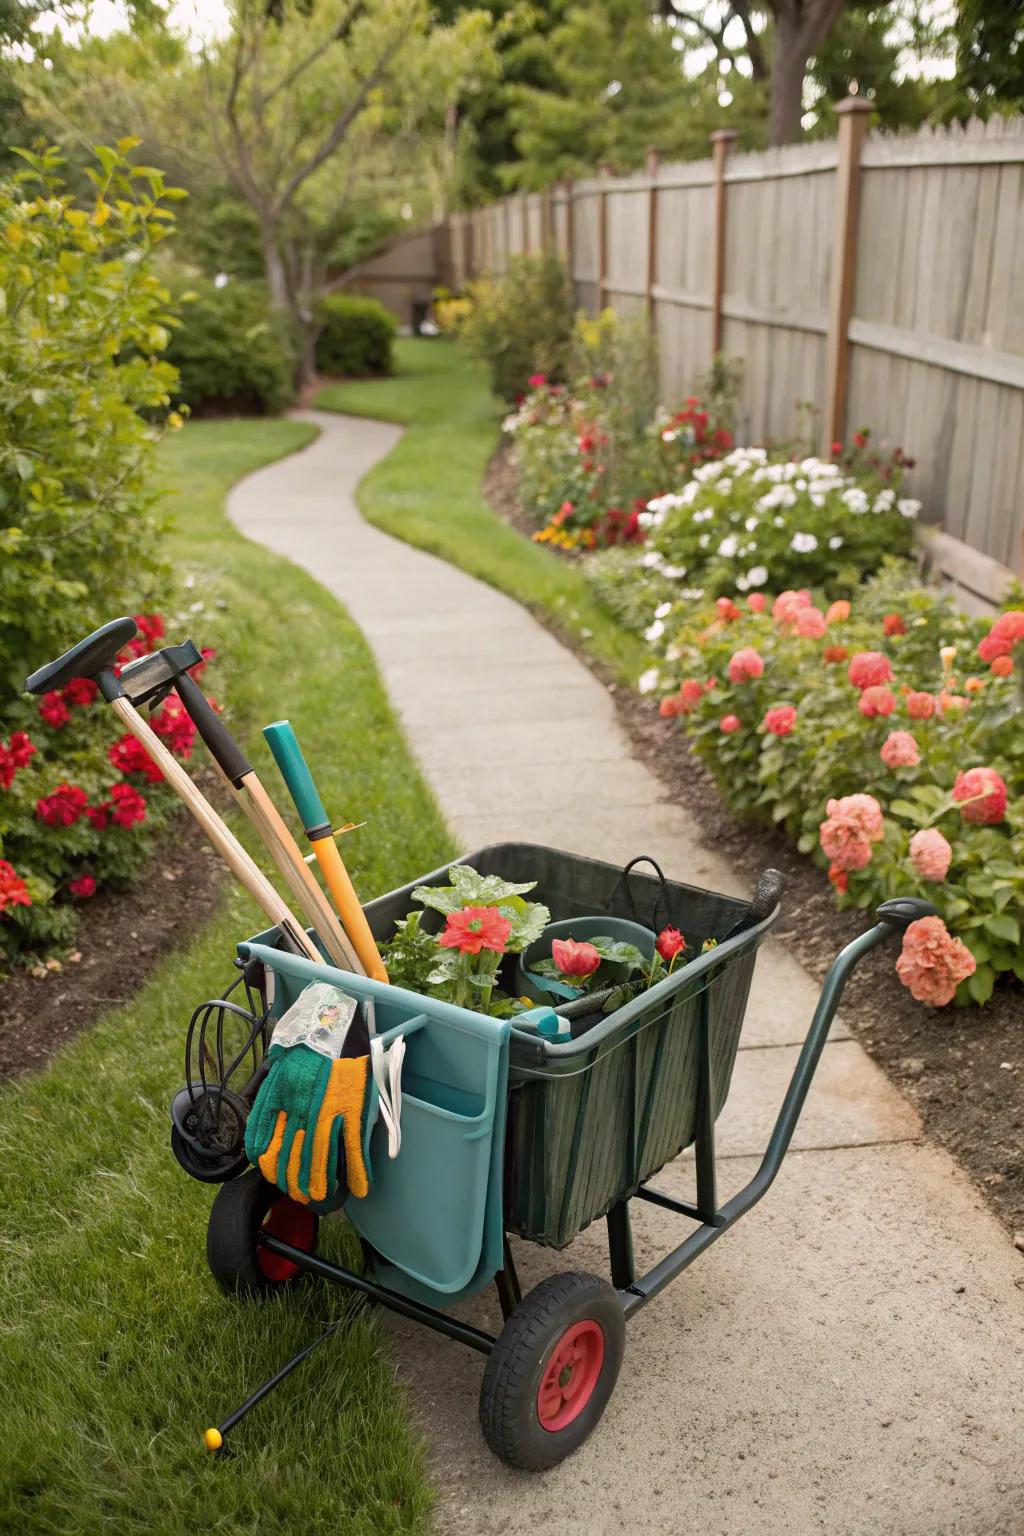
{"x":879,"y":278}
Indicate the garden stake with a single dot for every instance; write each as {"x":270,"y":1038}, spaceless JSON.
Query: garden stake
{"x":213,"y":1439}
{"x":295,"y":772}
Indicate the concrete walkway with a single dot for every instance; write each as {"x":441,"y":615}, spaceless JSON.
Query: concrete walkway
{"x":849,"y":1358}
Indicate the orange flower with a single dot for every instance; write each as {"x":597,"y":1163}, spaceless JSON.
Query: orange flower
{"x":475,"y":928}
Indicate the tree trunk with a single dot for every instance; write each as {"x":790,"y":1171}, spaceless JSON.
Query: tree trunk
{"x":273,"y":266}
{"x":307,"y":352}
{"x":789,"y":64}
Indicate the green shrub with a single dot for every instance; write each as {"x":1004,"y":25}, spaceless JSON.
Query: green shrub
{"x":356,"y":336}
{"x":895,"y":696}
{"x":232,"y":353}
{"x":520,"y":324}
{"x":82,"y":388}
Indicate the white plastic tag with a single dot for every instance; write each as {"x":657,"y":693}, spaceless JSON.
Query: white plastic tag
{"x":320,"y":1017}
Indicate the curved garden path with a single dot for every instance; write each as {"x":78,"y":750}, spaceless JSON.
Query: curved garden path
{"x":849,"y":1358}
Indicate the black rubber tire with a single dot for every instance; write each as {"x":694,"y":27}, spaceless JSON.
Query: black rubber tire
{"x":516,"y":1366}
{"x":238,"y":1212}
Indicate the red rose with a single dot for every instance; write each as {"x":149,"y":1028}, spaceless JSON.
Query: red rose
{"x":573,"y":959}
{"x":128,"y":805}
{"x":729,"y":723}
{"x":173,"y":723}
{"x":80,"y":691}
{"x":780,"y":720}
{"x":64,"y":807}
{"x":129,"y":756}
{"x":727,"y":609}
{"x":82,"y":886}
{"x":876,"y":700}
{"x":893,"y":624}
{"x":669,"y":944}
{"x":20,"y":749}
{"x":670,"y":707}
{"x":53,"y":710}
{"x":690,"y":694}
{"x":869,"y":668}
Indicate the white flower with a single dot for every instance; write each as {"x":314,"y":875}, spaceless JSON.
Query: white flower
{"x":835,"y":542}
{"x":652,"y":559}
{"x":674,"y":572}
{"x":724,"y":487}
{"x":704,"y":515}
{"x":654,"y":631}
{"x":692,"y":594}
{"x":757,"y":575}
{"x":908,"y":507}
{"x":673,"y":653}
{"x":803,"y":543}
{"x":663,"y":610}
{"x":668,"y":436}
{"x":510,"y":423}
{"x":648,"y":681}
{"x":752,"y":523}
{"x":885,"y":499}
{"x":856,"y":499}
{"x":728,"y":547}
{"x":704,"y":540}
{"x":742,"y":583}
{"x":659,"y":505}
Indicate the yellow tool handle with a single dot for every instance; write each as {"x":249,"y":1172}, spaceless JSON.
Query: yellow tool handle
{"x":347,"y":902}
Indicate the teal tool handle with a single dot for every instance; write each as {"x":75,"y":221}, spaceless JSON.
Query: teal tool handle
{"x":288,"y":756}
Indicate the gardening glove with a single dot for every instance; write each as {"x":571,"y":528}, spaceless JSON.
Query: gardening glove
{"x":305,"y":1104}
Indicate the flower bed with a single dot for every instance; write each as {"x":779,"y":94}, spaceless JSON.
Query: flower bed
{"x":77,"y":812}
{"x":886,"y":735}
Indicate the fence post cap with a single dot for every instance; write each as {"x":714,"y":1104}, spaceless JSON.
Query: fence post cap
{"x":853,"y":104}
{"x":724,"y":135}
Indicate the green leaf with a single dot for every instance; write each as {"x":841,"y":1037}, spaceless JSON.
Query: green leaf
{"x":1002,"y":925}
{"x":981,"y":983}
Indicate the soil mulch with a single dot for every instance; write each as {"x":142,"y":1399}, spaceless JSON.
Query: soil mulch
{"x":121,"y":937}
{"x":963,"y":1069}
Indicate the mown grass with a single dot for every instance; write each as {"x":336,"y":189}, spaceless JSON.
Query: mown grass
{"x":117,"y":1347}
{"x":428,"y":492}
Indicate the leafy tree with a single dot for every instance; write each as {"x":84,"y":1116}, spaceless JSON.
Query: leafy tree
{"x":989,"y":38}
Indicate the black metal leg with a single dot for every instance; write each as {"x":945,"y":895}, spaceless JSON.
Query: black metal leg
{"x":704,"y":1145}
{"x":620,"y":1245}
{"x":506,"y":1283}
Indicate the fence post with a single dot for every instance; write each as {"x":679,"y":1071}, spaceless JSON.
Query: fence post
{"x":524,"y":216}
{"x":721,"y":141}
{"x":547,"y":222}
{"x":602,"y":237}
{"x":853,"y":116}
{"x":653,"y":162}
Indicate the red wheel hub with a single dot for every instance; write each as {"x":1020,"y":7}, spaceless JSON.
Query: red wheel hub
{"x":571,"y":1375}
{"x":292,"y":1223}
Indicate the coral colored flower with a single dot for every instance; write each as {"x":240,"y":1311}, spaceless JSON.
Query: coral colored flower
{"x":128,"y":806}
{"x":834,"y":653}
{"x":779,"y":720}
{"x":670,"y":706}
{"x":690,"y":694}
{"x":787,"y":604}
{"x":920,"y":706}
{"x":1007,"y":629}
{"x":869,"y":668}
{"x":745,"y":665}
{"x":838,"y":612}
{"x":727,"y":609}
{"x":899,"y":750}
{"x":475,"y":928}
{"x":930,"y":854}
{"x":572,"y":959}
{"x":854,"y":823}
{"x":893,"y":624}
{"x":53,"y":710}
{"x":80,"y":691}
{"x":876,"y":701}
{"x":129,"y":756}
{"x":839,"y":878}
{"x":981,"y":795}
{"x":82,"y":886}
{"x":757,"y":602}
{"x":729,"y":723}
{"x":932,"y":963}
{"x":975,"y":684}
{"x":809,"y":623}
{"x":669,"y":943}
{"x":1002,"y":666}
{"x":64,"y":807}
{"x":13,"y":890}
{"x":953,"y":703}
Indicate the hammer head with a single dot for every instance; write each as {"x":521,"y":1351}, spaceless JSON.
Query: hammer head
{"x":149,"y":676}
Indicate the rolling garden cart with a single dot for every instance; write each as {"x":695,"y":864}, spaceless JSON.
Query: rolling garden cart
{"x":506,"y":1131}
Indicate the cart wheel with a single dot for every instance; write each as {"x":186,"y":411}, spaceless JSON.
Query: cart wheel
{"x":552,"y":1370}
{"x":237,"y":1261}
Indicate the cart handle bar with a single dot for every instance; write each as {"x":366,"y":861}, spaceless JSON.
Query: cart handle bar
{"x":893,"y":917}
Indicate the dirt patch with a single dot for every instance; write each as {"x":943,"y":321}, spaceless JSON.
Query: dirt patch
{"x":121,"y":936}
{"x":963,"y":1069}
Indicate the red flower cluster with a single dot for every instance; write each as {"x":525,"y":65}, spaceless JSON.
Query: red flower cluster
{"x":128,"y":806}
{"x":876,"y":700}
{"x":621,"y":527}
{"x":82,"y":886}
{"x":780,"y":720}
{"x":573,"y":958}
{"x":18,"y":751}
{"x":669,"y":944}
{"x":13,"y":890}
{"x":55,"y":707}
{"x":53,"y":711}
{"x":981,"y":795}
{"x":745,"y":665}
{"x":129,"y":756}
{"x":707,"y":444}
{"x":151,"y":632}
{"x":175,"y":726}
{"x":63,"y":807}
{"x":868,"y":669}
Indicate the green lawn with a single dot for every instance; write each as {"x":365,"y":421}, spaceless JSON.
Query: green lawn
{"x":117,"y":1347}
{"x":428,"y":492}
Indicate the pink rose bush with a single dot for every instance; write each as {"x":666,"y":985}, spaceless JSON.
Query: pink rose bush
{"x":885,"y":757}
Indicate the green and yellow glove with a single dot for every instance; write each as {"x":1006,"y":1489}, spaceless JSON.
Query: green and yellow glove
{"x":306,"y":1103}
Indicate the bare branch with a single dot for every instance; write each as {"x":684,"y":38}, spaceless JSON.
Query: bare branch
{"x":754,"y":45}
{"x":334,"y":36}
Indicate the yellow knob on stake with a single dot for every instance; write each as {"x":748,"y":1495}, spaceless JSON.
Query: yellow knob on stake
{"x":213,"y":1439}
